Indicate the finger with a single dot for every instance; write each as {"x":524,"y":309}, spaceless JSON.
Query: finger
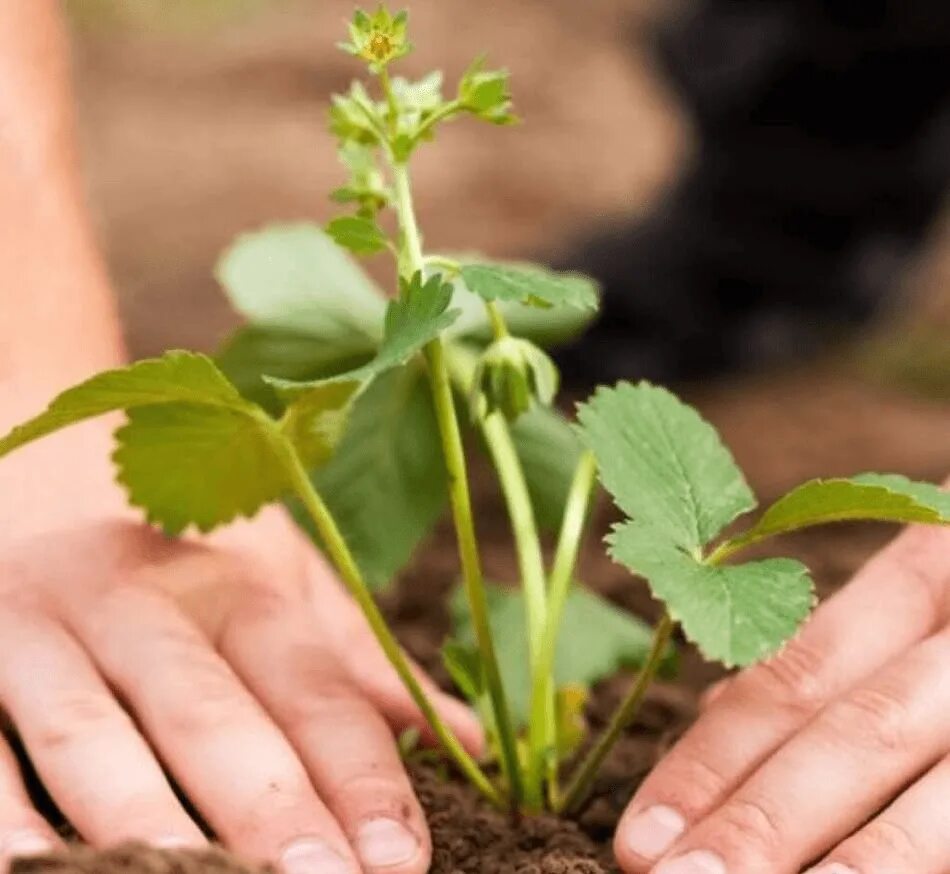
{"x":895,"y":595}
{"x":229,"y":757}
{"x":911,"y":837}
{"x":346,"y":744}
{"x":372,"y":671}
{"x":832,"y":776}
{"x":96,"y":765}
{"x":23,"y":832}
{"x":714,"y":693}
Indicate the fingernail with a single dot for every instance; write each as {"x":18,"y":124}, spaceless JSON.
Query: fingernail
{"x":651,"y":833}
{"x":697,"y":862}
{"x":311,"y":856}
{"x":832,"y":868}
{"x":381,"y":843}
{"x":26,"y":844}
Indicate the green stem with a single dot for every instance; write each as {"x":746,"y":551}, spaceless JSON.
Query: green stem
{"x":534,"y":580}
{"x":459,"y":497}
{"x":498,"y":324}
{"x":584,"y":775}
{"x":562,"y":575}
{"x":349,"y":572}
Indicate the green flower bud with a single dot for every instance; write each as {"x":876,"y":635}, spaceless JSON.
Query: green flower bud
{"x":512,"y":376}
{"x":487,"y":93}
{"x":379,"y":38}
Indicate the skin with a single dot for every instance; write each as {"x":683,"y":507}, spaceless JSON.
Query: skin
{"x":234,"y":663}
{"x":834,"y":754}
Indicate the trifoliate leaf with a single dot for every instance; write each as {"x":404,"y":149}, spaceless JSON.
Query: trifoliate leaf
{"x":530,"y":284}
{"x":596,"y":640}
{"x":663,"y":463}
{"x":417,"y":316}
{"x":295,"y":278}
{"x":386,"y":484}
{"x":360,"y":235}
{"x":549,"y":451}
{"x":737,"y":615}
{"x":176,"y":377}
{"x":884,"y":498}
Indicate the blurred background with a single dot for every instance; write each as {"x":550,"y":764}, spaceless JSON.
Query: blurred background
{"x":759,"y":185}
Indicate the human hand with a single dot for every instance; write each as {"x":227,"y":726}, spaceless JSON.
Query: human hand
{"x":240,"y":665}
{"x":834,"y":750}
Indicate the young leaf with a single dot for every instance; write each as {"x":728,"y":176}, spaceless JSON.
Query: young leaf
{"x":416,"y":317}
{"x":295,"y":278}
{"x":596,"y":639}
{"x":530,"y":284}
{"x":549,"y":451}
{"x":885,"y":498}
{"x":316,"y":420}
{"x":385,"y":485}
{"x":737,"y":615}
{"x":662,"y":462}
{"x":360,"y":235}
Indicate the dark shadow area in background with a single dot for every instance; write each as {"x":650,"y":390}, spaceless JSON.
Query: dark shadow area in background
{"x":823,"y":158}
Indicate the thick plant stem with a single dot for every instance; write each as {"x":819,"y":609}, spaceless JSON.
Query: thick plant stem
{"x":583,"y":777}
{"x":350,"y":574}
{"x":460,"y":499}
{"x":562,"y":575}
{"x":534,"y":580}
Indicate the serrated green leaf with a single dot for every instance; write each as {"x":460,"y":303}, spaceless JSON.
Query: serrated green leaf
{"x":530,"y":284}
{"x":385,"y":484}
{"x":416,"y":317}
{"x":596,"y":639}
{"x":663,"y":463}
{"x":884,"y":498}
{"x":294,"y":278}
{"x":183,"y":377}
{"x":737,"y":615}
{"x":190,"y":464}
{"x":549,"y":451}
{"x":358,"y":234}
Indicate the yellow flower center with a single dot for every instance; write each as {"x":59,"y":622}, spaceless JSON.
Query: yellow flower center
{"x":380,"y":46}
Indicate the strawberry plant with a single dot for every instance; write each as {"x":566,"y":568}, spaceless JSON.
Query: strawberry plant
{"x":354,"y":411}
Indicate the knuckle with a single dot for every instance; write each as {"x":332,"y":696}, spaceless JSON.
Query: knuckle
{"x":874,"y":718}
{"x":74,"y":716}
{"x":753,"y":824}
{"x":689,"y":783}
{"x":888,"y":840}
{"x":333,"y":702}
{"x":792,"y":679}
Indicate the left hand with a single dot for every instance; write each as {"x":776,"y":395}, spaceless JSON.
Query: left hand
{"x":834,"y":753}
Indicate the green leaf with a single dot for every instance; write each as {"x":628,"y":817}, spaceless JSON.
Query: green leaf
{"x":530,"y":284}
{"x":386,"y":483}
{"x":663,"y":463}
{"x":193,"y":451}
{"x":596,"y":640}
{"x":190,"y":464}
{"x":885,"y":498}
{"x":416,"y":317}
{"x":549,"y":451}
{"x":176,"y":377}
{"x":360,"y":235}
{"x":315,"y":422}
{"x":294,"y":278}
{"x":737,"y":615}
{"x":252,"y":352}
